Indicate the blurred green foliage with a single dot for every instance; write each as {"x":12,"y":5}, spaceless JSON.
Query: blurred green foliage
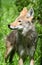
{"x":9,"y":10}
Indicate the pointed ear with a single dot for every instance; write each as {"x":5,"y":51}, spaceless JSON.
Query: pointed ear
{"x":23,"y":12}
{"x":30,"y":13}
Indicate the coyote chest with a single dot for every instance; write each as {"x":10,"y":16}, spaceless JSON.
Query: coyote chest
{"x":26,"y":44}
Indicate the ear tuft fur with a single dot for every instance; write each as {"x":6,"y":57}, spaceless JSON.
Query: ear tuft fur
{"x":30,"y":13}
{"x":23,"y":12}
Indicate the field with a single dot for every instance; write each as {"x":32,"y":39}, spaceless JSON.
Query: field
{"x":9,"y":11}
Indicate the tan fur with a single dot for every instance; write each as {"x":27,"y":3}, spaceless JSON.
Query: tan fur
{"x":32,"y":62}
{"x":20,"y":61}
{"x":24,"y":12}
{"x":22,"y":16}
{"x":22,"y":41}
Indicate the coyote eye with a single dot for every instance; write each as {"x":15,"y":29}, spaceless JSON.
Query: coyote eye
{"x":19,"y":21}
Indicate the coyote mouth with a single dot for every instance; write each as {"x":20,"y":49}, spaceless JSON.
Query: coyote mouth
{"x":15,"y":28}
{"x":12,"y":27}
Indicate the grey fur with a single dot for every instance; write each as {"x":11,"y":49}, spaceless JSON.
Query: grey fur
{"x":23,"y":41}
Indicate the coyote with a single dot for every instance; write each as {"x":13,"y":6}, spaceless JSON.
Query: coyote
{"x":23,"y":38}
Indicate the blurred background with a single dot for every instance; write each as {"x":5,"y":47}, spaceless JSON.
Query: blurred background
{"x":9,"y":11}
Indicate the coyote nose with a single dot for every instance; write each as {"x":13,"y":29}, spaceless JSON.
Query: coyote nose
{"x":9,"y":26}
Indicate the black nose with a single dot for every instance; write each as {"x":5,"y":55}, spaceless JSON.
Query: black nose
{"x":9,"y":26}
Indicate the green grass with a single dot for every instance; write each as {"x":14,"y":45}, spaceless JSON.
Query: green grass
{"x":9,"y":13}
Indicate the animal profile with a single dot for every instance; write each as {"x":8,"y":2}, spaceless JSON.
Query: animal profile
{"x":23,"y":38}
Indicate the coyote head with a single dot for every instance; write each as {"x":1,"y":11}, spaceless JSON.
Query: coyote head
{"x":24,"y":20}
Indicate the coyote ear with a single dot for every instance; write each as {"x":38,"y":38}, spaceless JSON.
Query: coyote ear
{"x":23,"y":12}
{"x":30,"y":13}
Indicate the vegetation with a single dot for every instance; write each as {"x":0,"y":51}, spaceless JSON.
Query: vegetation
{"x":9,"y":10}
